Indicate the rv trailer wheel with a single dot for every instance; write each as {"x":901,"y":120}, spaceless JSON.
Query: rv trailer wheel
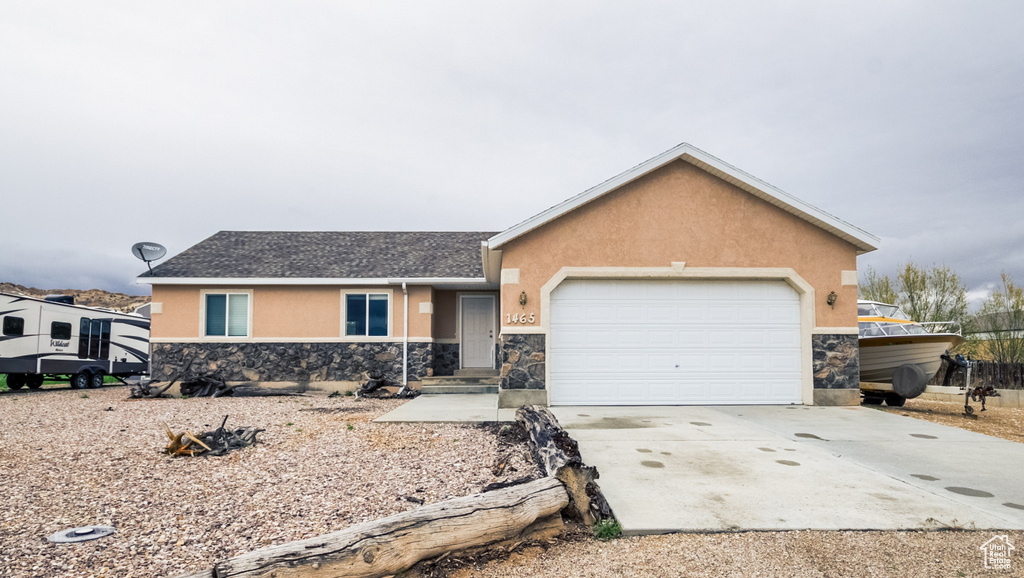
{"x":34,"y":381}
{"x":15,"y":381}
{"x":96,"y":380}
{"x":80,"y":380}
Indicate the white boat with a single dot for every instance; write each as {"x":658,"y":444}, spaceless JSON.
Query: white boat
{"x":893,"y":344}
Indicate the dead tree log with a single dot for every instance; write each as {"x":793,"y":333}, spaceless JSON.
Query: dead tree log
{"x":144,"y":390}
{"x":559,"y":455}
{"x":390,"y":545}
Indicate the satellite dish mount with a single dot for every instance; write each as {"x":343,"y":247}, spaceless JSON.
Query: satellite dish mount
{"x":149,"y":252}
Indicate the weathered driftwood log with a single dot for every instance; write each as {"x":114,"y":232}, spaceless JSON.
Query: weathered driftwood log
{"x":559,"y":455}
{"x":214,"y":443}
{"x":553,"y":448}
{"x":144,"y":390}
{"x":390,"y":545}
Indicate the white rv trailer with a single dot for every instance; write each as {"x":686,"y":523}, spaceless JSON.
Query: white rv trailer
{"x":53,"y":337}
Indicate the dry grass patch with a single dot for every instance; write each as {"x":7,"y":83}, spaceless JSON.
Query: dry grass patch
{"x":1001,"y":422}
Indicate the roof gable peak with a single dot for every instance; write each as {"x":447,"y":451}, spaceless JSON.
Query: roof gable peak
{"x":861,"y":239}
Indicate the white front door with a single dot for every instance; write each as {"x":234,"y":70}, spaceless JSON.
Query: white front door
{"x":477,"y":331}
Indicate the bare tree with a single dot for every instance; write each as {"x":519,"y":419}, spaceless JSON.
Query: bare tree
{"x":938,"y":294}
{"x":877,"y":287}
{"x":999,"y":325}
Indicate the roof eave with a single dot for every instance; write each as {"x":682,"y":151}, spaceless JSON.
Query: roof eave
{"x":226,"y":281}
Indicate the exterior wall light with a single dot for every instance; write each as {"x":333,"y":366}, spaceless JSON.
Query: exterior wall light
{"x":831,"y":299}
{"x":522,"y":298}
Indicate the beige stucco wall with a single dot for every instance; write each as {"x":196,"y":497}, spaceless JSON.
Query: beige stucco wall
{"x":444,"y":314}
{"x":287,"y":312}
{"x":420,"y":324}
{"x":680,"y":213}
{"x":179,"y":312}
{"x":290,"y":312}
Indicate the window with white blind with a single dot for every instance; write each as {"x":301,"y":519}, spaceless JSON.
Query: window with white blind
{"x":227,"y":315}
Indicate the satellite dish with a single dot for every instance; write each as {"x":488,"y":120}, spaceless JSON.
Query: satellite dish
{"x":148,"y":252}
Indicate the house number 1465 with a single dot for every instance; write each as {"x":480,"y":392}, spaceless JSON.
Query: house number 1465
{"x":521,"y":319}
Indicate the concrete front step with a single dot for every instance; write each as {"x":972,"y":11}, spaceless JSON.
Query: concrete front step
{"x":454,"y":389}
{"x":460,"y":380}
{"x":476,"y":372}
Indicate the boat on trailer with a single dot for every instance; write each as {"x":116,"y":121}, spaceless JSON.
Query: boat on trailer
{"x":898,"y":356}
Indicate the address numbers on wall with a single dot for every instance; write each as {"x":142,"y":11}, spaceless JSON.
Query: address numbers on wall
{"x":520,"y":318}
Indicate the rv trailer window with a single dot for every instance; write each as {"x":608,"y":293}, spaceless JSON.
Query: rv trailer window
{"x":105,"y":339}
{"x":14,"y":326}
{"x":60,"y":331}
{"x":83,"y":338}
{"x":94,"y":339}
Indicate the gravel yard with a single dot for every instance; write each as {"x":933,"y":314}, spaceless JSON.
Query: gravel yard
{"x":73,"y":458}
{"x":766,"y":554}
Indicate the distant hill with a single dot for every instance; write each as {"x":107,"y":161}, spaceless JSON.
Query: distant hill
{"x":87,"y":297}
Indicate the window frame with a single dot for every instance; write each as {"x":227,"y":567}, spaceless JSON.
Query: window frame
{"x":10,"y":321}
{"x":53,"y":333}
{"x":388,"y":292}
{"x":226,"y":293}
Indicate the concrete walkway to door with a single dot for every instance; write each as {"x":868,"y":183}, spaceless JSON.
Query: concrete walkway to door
{"x":722,"y":468}
{"x":450,"y":408}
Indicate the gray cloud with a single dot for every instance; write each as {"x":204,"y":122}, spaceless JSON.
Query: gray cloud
{"x":126,"y":122}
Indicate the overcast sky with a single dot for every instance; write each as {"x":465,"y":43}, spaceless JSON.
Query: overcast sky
{"x":170,"y":121}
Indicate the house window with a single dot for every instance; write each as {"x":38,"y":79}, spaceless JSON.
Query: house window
{"x":227,"y":314}
{"x":61,"y":331}
{"x":14,"y":326}
{"x":366,"y":314}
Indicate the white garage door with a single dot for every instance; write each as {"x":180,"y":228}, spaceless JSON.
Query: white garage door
{"x":646,"y":342}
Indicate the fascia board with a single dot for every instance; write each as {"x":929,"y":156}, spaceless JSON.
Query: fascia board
{"x":308,"y":281}
{"x":861,"y":239}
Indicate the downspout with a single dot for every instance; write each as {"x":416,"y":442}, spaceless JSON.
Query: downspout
{"x":405,"y":338}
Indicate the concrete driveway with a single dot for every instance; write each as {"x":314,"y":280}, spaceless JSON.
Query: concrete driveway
{"x":722,"y":468}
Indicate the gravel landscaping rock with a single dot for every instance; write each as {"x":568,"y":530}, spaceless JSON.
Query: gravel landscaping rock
{"x":70,"y":459}
{"x":766,"y":554}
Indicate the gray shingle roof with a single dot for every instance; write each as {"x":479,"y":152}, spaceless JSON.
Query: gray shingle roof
{"x":333,"y":255}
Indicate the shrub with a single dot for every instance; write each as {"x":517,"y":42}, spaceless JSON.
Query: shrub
{"x":607,"y":529}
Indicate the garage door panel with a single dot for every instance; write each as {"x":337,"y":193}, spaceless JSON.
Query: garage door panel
{"x":778,"y":314}
{"x":753,"y":337}
{"x":724,"y":362}
{"x":630,"y":338}
{"x":632,"y":341}
{"x":754,"y":362}
{"x":784,"y":337}
{"x":658,"y":336}
{"x":723,"y":338}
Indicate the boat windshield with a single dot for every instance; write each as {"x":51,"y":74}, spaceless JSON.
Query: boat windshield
{"x":880,"y":310}
{"x":878,"y":329}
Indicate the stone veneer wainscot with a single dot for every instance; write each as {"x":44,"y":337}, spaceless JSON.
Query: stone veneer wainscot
{"x":836,"y":361}
{"x":340,"y":361}
{"x":522,"y":361}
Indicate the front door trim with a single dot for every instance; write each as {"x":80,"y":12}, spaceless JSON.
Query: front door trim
{"x":492,"y":322}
